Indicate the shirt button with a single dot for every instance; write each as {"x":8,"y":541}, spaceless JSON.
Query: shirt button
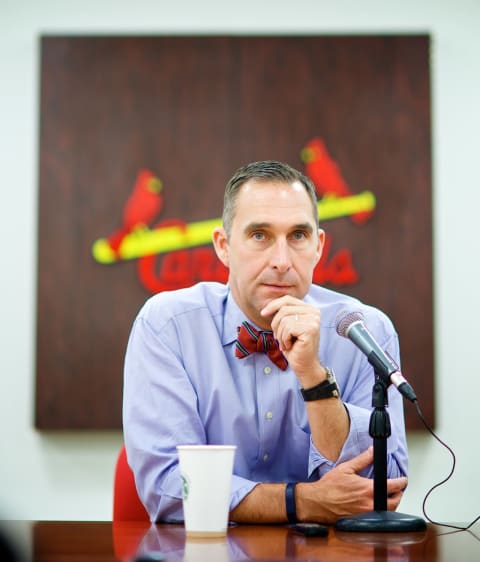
{"x":265,"y":457}
{"x":269,"y":415}
{"x":267,"y":370}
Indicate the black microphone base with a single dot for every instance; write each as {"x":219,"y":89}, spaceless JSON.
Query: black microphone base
{"x":381,"y":522}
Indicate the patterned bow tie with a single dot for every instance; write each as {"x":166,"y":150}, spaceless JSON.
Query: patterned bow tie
{"x":251,"y":340}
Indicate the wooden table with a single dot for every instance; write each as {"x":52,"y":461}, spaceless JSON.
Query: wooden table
{"x":101,"y":542}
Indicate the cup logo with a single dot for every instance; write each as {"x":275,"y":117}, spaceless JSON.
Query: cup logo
{"x":185,"y":487}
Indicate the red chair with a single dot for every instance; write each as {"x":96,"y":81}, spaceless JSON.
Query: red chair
{"x":126,"y":503}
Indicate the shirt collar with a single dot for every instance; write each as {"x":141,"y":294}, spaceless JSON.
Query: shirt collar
{"x":232,"y":319}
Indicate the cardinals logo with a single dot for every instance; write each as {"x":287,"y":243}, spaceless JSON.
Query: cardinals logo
{"x":326,"y":175}
{"x":144,"y":204}
{"x":173,"y":254}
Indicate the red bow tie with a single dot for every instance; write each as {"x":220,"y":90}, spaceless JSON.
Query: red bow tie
{"x":250,"y":340}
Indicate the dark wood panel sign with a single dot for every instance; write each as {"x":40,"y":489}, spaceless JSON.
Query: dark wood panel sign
{"x":138,"y":136}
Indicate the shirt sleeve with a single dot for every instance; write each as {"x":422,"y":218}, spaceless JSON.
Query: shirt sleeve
{"x":159,"y":412}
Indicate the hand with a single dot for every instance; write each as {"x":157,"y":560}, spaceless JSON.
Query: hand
{"x":296,"y":326}
{"x":342,"y":492}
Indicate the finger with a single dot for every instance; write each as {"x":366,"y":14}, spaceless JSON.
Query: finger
{"x":293,"y":325}
{"x":361,"y":461}
{"x":286,"y":313}
{"x":286,"y":325}
{"x":393,"y":501}
{"x":298,"y":316}
{"x":396,"y":485}
{"x":284,"y":333}
{"x":274,"y":306}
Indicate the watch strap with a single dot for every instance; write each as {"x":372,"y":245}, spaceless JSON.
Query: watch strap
{"x":326,"y":389}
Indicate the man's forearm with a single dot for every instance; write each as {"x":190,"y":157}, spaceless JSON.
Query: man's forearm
{"x":329,"y":424}
{"x":339,"y":493}
{"x":264,"y":504}
{"x":328,"y":418}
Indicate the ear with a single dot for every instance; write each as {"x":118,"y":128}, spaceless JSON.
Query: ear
{"x":220,"y":243}
{"x":321,"y":244}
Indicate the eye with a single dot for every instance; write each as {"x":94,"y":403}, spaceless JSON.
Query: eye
{"x":258,"y":235}
{"x":299,"y":235}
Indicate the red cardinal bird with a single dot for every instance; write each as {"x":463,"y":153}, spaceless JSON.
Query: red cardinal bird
{"x":325,"y":174}
{"x":142,"y":206}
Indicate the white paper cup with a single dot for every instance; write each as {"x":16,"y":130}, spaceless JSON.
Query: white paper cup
{"x":206,"y":472}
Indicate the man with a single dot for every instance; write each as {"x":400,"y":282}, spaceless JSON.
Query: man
{"x":303,"y":448}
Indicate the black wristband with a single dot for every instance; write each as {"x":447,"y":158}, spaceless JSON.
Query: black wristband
{"x":290,"y":502}
{"x":326,"y":389}
{"x":321,"y":391}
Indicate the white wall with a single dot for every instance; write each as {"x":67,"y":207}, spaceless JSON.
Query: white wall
{"x":68,"y":475}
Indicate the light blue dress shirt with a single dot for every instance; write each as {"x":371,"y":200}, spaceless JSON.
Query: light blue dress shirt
{"x":184,"y":385}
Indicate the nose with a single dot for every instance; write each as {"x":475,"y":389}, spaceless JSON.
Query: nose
{"x":280,"y":258}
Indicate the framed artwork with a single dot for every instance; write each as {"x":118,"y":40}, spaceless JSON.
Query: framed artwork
{"x":138,"y":137}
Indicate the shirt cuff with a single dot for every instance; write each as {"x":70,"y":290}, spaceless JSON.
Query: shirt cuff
{"x":240,"y":488}
{"x":358,"y":440}
{"x":171,"y":508}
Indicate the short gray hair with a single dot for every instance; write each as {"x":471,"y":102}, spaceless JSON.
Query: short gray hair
{"x":263,"y":170}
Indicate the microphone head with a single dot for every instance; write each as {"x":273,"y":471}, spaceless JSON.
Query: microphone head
{"x":345,"y":319}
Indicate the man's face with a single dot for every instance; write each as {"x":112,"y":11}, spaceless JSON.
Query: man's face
{"x":274,"y":245}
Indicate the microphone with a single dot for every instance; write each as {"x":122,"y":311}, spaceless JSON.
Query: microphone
{"x":351,"y":325}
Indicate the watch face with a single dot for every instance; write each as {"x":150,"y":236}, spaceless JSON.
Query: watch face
{"x":330,"y":375}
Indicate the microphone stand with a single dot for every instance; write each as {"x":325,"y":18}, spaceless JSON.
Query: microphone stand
{"x":380,"y":519}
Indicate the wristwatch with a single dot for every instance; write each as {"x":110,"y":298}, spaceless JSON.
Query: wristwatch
{"x":326,"y":389}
